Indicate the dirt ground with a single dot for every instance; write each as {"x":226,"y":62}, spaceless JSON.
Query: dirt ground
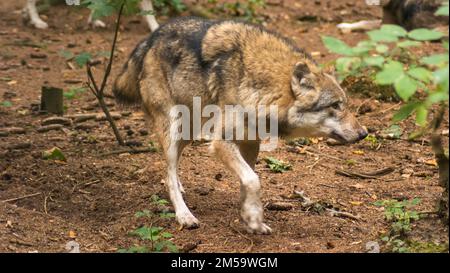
{"x":92,"y":198}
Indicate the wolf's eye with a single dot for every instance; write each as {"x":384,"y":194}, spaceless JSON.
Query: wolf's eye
{"x":336,"y":105}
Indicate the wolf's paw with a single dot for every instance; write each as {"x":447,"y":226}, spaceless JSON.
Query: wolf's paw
{"x":260,"y":228}
{"x":98,"y":23}
{"x":39,"y":24}
{"x":187,"y":220}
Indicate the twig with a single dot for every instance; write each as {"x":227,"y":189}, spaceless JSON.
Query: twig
{"x":240,"y":233}
{"x":130,"y":150}
{"x":99,"y":92}
{"x":371,"y":175}
{"x":336,"y":213}
{"x":45,"y":204}
{"x":22,"y":197}
{"x":307,"y":202}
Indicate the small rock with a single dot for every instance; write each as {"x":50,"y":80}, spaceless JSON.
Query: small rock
{"x":51,"y":127}
{"x":372,"y":247}
{"x":333,"y":142}
{"x":279,"y":206}
{"x":203,"y":191}
{"x":445,"y":132}
{"x":125,"y":114}
{"x":57,"y":120}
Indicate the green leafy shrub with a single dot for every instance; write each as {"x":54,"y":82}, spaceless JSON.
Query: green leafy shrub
{"x":277,"y":166}
{"x":388,"y":58}
{"x":155,"y":235}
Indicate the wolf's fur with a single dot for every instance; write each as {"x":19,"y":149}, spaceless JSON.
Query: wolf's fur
{"x":410,"y":14}
{"x":31,"y":12}
{"x":231,"y":63}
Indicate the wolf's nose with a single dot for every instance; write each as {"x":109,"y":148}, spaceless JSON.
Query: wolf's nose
{"x":362,"y":134}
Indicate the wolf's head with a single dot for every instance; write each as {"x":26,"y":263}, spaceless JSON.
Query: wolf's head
{"x":320,"y":107}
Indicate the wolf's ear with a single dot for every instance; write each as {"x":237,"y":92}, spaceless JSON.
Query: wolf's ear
{"x":299,"y":81}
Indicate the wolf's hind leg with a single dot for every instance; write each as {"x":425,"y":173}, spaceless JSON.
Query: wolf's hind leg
{"x":95,"y":23}
{"x":251,"y":207}
{"x":173,"y":149}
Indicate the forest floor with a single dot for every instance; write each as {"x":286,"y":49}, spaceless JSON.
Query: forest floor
{"x":92,"y":198}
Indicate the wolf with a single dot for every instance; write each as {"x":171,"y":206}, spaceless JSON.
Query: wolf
{"x":31,"y":12}
{"x":410,"y":14}
{"x":231,"y":63}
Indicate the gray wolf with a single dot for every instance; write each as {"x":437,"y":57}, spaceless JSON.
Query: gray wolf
{"x":410,"y":14}
{"x":231,"y":63}
{"x":32,"y":13}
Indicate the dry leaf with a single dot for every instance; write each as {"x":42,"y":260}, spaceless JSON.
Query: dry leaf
{"x":72,"y":234}
{"x":431,"y":162}
{"x":358,"y":152}
{"x":355,"y":203}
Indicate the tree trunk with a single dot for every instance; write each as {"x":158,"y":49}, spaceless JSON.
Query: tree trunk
{"x":52,"y":100}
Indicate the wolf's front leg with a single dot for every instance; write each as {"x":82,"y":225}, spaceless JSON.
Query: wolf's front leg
{"x":251,"y":206}
{"x":34,"y":16}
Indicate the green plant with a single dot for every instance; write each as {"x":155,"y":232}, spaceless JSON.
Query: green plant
{"x":389,"y":59}
{"x":103,"y":8}
{"x":422,"y":82}
{"x":277,"y":166}
{"x":247,"y":10}
{"x":399,"y":214}
{"x":373,"y":141}
{"x":168,"y":6}
{"x":74,"y":92}
{"x":6,"y":103}
{"x":155,"y":235}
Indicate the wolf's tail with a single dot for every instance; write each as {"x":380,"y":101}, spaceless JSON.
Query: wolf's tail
{"x":126,"y":87}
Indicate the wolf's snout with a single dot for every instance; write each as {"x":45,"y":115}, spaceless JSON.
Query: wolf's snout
{"x":362,"y":133}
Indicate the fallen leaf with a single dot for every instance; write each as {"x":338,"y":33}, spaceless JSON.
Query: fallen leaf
{"x":11,"y":83}
{"x":432,"y":162}
{"x":355,"y":203}
{"x":358,"y":152}
{"x":72,"y":234}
